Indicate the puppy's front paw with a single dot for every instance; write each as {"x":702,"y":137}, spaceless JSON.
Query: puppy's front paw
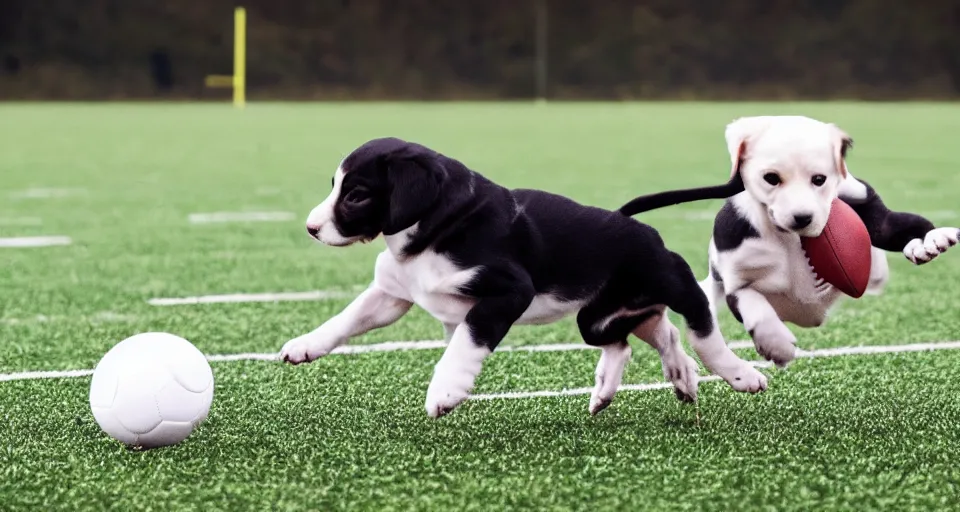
{"x":307,"y":348}
{"x":775,"y":342}
{"x":935,"y":243}
{"x":448,"y":389}
{"x":746,"y":379}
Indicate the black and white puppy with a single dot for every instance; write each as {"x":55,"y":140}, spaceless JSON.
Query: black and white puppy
{"x":481,"y":258}
{"x":789,"y":170}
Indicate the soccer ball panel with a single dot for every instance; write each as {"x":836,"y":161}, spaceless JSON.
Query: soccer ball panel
{"x":176,"y":403}
{"x":103,"y":387}
{"x":206,"y":400}
{"x":190,"y":368}
{"x":166,"y":433}
{"x":111,"y":425}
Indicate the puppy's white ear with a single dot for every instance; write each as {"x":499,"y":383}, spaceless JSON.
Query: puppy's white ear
{"x":842,"y":142}
{"x":738,"y":134}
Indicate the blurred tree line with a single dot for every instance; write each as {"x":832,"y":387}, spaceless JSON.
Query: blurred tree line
{"x":445,"y":49}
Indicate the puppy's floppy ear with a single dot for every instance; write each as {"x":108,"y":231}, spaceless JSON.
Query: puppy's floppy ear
{"x":414,"y":186}
{"x":738,"y":134}
{"x":842,"y":142}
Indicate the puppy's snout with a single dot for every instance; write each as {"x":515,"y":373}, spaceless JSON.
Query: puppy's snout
{"x":313,"y":231}
{"x":801,"y":221}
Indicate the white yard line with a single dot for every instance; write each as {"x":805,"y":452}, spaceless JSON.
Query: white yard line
{"x":46,"y":193}
{"x":65,"y":374}
{"x":579,"y":391}
{"x":214,"y":217}
{"x":34,"y":241}
{"x":879,"y":349}
{"x":251,"y":297}
{"x":20,"y":221}
{"x":827,"y":352}
{"x":392,"y":346}
{"x":101,"y":317}
{"x":395,"y":346}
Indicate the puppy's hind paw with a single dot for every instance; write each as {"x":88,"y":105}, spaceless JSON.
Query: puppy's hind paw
{"x":608,"y":375}
{"x":775,"y":342}
{"x":683,"y":371}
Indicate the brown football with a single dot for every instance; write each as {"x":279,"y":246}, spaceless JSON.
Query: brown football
{"x":841,"y":254}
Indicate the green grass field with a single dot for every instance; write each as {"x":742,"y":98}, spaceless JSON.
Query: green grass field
{"x":350,"y":431}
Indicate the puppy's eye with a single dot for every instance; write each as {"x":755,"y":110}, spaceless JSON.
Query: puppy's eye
{"x":818,"y":180}
{"x":355,"y":196}
{"x":772,"y":178}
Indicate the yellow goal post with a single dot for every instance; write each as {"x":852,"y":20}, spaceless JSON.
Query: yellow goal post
{"x":237,"y":80}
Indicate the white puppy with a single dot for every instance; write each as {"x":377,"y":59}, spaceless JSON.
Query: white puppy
{"x":792,"y":168}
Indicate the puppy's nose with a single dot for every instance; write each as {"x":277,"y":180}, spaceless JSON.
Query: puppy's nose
{"x":802,"y":221}
{"x":313,"y":231}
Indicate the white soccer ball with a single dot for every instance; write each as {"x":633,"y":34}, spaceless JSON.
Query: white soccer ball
{"x":151,"y":390}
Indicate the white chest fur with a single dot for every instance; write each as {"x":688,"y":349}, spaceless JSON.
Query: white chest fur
{"x":777,"y":267}
{"x":433,"y":282}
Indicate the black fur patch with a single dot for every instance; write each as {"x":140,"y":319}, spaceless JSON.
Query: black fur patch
{"x":889,"y":230}
{"x":730,"y":229}
{"x":734,"y":304}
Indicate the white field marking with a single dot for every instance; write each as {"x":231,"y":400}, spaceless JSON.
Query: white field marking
{"x":388,"y":346}
{"x":812,"y":354}
{"x":251,"y":297}
{"x":392,"y":346}
{"x":579,"y":391}
{"x":878,"y":349}
{"x":20,"y":221}
{"x":214,"y":217}
{"x":46,"y":193}
{"x":96,"y":318}
{"x":65,"y":374}
{"x":35,"y":241}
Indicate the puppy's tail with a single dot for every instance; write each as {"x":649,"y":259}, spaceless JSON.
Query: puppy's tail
{"x":672,"y":197}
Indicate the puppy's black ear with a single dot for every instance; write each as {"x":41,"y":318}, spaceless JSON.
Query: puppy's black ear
{"x":414,"y":186}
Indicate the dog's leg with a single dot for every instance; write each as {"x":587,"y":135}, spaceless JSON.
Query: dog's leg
{"x":917,"y":237}
{"x":613,"y":360}
{"x":503,"y":296}
{"x":688,"y":299}
{"x":678,"y":367}
{"x":372,"y":309}
{"x":879,"y":271}
{"x":773,"y":340}
{"x":604,"y":323}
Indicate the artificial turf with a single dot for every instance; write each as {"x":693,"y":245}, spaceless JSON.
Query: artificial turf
{"x":350,"y":432}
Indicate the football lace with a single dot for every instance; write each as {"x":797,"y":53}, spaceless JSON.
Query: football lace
{"x":819,"y":280}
